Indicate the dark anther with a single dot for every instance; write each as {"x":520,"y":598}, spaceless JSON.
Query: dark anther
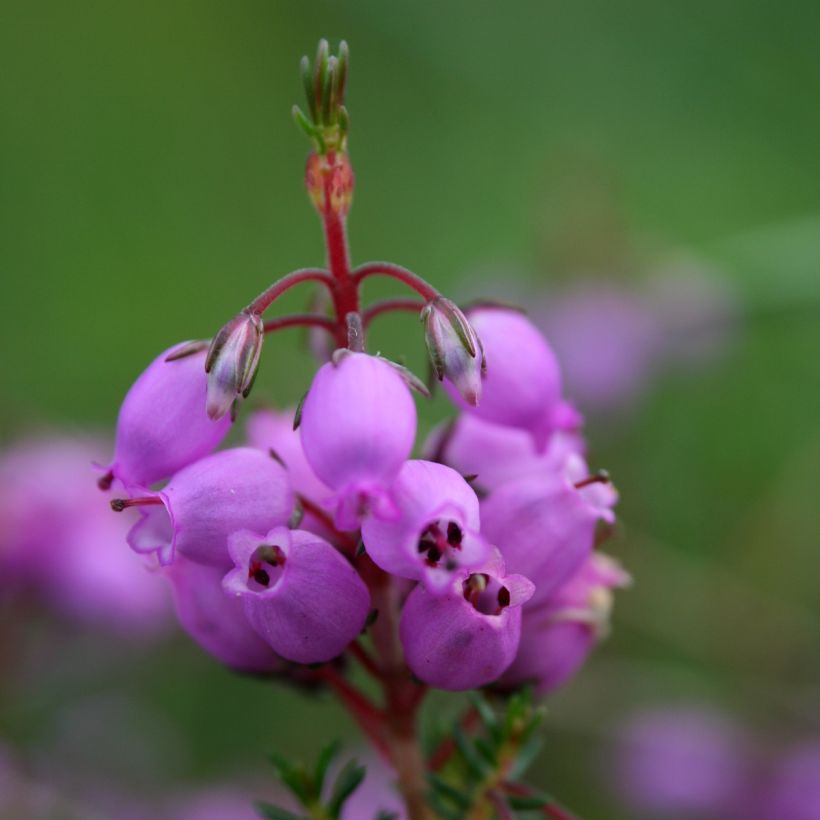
{"x":260,"y":576}
{"x":503,"y":597}
{"x":104,"y":482}
{"x":454,"y":534}
{"x":433,"y":555}
{"x":118,"y":504}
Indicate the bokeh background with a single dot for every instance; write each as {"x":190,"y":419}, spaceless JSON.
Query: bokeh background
{"x":646,"y":177}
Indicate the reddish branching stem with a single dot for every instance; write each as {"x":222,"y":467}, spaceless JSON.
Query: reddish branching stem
{"x":365,"y":659}
{"x":369,"y":718}
{"x":407,"y":277}
{"x":346,"y":541}
{"x":269,"y":296}
{"x":391,"y":306}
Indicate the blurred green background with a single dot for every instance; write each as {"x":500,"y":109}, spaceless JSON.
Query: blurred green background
{"x":151,"y":184}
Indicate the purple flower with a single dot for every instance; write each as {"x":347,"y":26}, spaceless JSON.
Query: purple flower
{"x":522,"y":387}
{"x":217,"y":621}
{"x":557,"y":637}
{"x":203,"y":504}
{"x":272,"y":430}
{"x":496,"y":454}
{"x":232,"y":360}
{"x":467,"y":637}
{"x":436,"y":531}
{"x":684,"y":762}
{"x":358,"y":426}
{"x":454,"y":347}
{"x":795,"y":791}
{"x":299,"y":593}
{"x":545,"y":525}
{"x":59,"y":540}
{"x":162,"y":426}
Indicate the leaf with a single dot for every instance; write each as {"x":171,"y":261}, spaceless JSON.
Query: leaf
{"x":475,"y":762}
{"x":526,"y":756}
{"x":528,"y":802}
{"x":271,"y":812}
{"x":346,"y":783}
{"x":295,"y":778}
{"x":449,"y":792}
{"x":326,"y":757}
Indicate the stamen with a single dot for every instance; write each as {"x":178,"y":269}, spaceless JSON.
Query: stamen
{"x":104,"y":482}
{"x":120,"y":504}
{"x":454,"y":534}
{"x":265,"y":558}
{"x":601,"y":477}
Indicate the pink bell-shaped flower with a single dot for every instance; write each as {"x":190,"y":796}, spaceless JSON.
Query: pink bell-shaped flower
{"x":203,"y":504}
{"x":358,"y":425}
{"x":545,"y":525}
{"x":556,"y":638}
{"x":215,"y":620}
{"x":522,"y":386}
{"x":163,"y":426}
{"x":436,"y":531}
{"x":299,"y":593}
{"x":467,"y":637}
{"x":495,"y":454}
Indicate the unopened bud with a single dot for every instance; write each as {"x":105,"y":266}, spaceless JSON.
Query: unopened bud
{"x":454,"y":347}
{"x":232,"y":362}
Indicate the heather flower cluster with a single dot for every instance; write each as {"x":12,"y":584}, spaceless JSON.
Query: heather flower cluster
{"x":323,"y":537}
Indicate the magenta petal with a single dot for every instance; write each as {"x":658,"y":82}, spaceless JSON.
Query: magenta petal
{"x":217,"y":621}
{"x":544,"y":528}
{"x":434,"y":533}
{"x":358,"y":422}
{"x":206,"y":502}
{"x":522,"y":386}
{"x":273,"y":430}
{"x":305,"y":599}
{"x":450,"y":645}
{"x":162,"y":425}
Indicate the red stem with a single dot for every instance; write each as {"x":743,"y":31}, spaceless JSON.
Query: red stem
{"x":301,"y":320}
{"x":267,"y":297}
{"x":369,"y":718}
{"x":364,"y":658}
{"x":389,"y":306}
{"x":348,"y":542}
{"x":424,"y":289}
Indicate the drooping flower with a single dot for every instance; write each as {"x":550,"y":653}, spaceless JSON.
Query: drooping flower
{"x":557,"y":637}
{"x":545,"y":524}
{"x":495,"y":454}
{"x":203,"y":504}
{"x":162,"y":425}
{"x":436,"y":530}
{"x":454,"y":347}
{"x":232,"y":361}
{"x":467,"y":637}
{"x":217,"y":621}
{"x":298,"y":592}
{"x":522,"y":387}
{"x":358,"y":425}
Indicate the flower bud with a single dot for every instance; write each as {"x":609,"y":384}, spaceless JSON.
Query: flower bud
{"x":454,"y":348}
{"x":299,"y":593}
{"x":522,"y":387}
{"x":436,"y":531}
{"x":203,"y":504}
{"x":215,"y":620}
{"x":545,"y":526}
{"x":162,"y":426}
{"x":467,"y":637}
{"x":557,"y":637}
{"x":232,"y":361}
{"x":358,"y":425}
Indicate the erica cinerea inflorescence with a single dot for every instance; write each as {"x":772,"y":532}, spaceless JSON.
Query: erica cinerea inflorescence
{"x":324,"y":542}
